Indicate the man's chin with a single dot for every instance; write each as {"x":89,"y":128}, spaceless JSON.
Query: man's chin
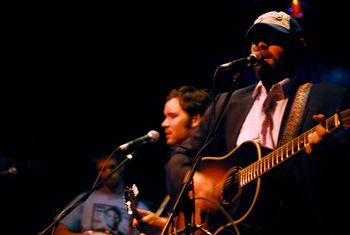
{"x":263,"y":69}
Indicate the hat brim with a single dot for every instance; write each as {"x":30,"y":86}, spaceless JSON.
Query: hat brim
{"x":259,"y":30}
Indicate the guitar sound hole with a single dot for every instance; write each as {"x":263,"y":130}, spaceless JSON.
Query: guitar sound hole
{"x":230,"y":189}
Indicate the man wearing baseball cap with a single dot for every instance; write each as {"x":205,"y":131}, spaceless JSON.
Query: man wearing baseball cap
{"x":300,"y":187}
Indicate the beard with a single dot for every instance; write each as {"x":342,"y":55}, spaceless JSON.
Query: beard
{"x":272,"y":73}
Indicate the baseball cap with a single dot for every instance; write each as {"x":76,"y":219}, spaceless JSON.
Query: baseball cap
{"x":278,"y":24}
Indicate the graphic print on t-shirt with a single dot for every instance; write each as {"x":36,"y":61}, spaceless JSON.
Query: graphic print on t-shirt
{"x":106,"y":217}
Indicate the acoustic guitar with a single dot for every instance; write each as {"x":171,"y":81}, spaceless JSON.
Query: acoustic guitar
{"x":223,"y":186}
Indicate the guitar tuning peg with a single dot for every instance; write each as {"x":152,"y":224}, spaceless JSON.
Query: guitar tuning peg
{"x":135,"y":189}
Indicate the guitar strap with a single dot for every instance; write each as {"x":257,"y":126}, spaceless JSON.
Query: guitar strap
{"x":296,"y":112}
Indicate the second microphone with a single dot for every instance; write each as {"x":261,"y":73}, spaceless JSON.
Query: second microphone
{"x":151,"y":136}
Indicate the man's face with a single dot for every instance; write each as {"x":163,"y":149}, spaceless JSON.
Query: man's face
{"x":177,"y":123}
{"x":111,"y":164}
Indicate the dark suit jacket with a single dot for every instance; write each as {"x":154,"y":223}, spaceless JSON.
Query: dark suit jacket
{"x":304,"y":195}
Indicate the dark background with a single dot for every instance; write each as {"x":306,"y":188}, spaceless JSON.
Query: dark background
{"x":77,"y":79}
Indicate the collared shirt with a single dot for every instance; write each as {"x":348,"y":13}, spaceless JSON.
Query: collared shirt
{"x":266,"y":105}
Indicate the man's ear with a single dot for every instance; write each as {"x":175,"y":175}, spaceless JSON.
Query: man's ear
{"x":195,"y":120}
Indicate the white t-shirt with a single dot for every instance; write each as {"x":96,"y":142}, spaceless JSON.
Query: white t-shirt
{"x":100,"y":211}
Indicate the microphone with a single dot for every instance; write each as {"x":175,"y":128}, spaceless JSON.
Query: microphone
{"x":152,"y":136}
{"x":11,"y":171}
{"x":251,"y":60}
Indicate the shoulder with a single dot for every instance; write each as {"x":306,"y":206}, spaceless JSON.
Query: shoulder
{"x":329,"y":88}
{"x":329,"y":91}
{"x":329,"y":96}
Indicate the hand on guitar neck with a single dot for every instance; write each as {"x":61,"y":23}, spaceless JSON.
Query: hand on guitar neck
{"x":151,"y":223}
{"x":130,"y":194}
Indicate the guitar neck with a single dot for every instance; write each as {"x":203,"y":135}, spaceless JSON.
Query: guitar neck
{"x":136,"y":214}
{"x":163,"y":205}
{"x":158,"y":212}
{"x":102,"y":232}
{"x":287,"y":150}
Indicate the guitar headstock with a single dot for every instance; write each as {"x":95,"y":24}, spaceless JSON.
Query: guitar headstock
{"x":130,"y":194}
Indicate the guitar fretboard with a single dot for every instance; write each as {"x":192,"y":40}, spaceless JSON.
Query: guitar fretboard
{"x":286,"y":151}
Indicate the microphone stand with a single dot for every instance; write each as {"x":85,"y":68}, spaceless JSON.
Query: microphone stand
{"x":197,"y":159}
{"x":86,"y":194}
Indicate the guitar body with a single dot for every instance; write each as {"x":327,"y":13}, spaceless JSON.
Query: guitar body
{"x":219,"y":198}
{"x":224,"y":170}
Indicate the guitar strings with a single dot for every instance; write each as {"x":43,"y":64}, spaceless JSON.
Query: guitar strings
{"x":281,"y":154}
